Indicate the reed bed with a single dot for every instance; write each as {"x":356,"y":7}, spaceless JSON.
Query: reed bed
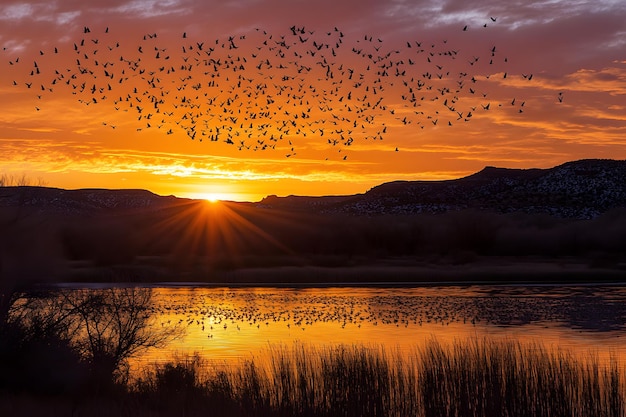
{"x":475,"y":377}
{"x":510,"y":378}
{"x":328,"y":381}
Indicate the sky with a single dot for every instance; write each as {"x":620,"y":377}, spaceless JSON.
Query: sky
{"x":243,"y":99}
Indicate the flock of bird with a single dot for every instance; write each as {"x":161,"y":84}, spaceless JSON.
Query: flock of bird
{"x":260,"y":91}
{"x":214,"y":311}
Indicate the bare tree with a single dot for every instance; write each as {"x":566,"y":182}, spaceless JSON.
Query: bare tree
{"x":116,"y":323}
{"x":86,"y":336}
{"x":7,"y":180}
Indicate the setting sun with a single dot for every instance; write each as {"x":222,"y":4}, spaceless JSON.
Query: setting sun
{"x":214,"y":197}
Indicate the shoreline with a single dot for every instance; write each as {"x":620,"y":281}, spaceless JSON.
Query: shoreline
{"x":321,"y":285}
{"x":385,"y":273}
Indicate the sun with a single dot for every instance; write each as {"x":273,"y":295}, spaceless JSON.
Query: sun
{"x":214,"y":197}
{"x":209,"y":197}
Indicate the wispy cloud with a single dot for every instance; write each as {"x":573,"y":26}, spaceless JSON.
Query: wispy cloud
{"x":17,"y":11}
{"x":153,"y":8}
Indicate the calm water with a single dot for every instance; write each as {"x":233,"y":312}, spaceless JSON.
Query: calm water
{"x":228,"y":324}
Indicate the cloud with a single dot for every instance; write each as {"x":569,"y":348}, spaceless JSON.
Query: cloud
{"x":17,"y":11}
{"x":610,"y":80}
{"x":145,"y":9}
{"x":66,"y":156}
{"x":67,"y":17}
{"x":38,"y":12}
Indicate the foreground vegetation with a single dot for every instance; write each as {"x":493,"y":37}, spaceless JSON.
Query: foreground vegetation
{"x":474,"y":378}
{"x":68,"y":353}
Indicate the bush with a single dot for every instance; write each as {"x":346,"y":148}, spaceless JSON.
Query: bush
{"x":35,"y":360}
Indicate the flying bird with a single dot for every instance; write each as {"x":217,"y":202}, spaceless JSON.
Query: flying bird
{"x":267,"y":91}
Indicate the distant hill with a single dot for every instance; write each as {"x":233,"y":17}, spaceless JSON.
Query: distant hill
{"x":83,"y":201}
{"x":578,"y":189}
{"x":134,"y":235}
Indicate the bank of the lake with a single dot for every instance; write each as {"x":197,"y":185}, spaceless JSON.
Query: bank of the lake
{"x":465,"y":349}
{"x":476,"y":378}
{"x":398,"y":270}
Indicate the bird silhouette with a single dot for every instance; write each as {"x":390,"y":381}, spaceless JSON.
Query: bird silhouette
{"x":267,"y":88}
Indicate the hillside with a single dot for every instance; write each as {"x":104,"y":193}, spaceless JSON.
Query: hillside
{"x":89,"y":201}
{"x":580,"y":189}
{"x":507,"y":223}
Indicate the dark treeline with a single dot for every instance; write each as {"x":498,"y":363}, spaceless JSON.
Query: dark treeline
{"x":237,"y":236}
{"x":196,"y":238}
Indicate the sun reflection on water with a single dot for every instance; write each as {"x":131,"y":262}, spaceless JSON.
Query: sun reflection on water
{"x":227,"y":325}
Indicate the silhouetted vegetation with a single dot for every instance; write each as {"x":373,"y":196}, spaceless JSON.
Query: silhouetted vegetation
{"x":135,"y":248}
{"x":75,"y":342}
{"x":38,"y":359}
{"x":487,"y":378}
{"x":8,"y":180}
{"x":194,"y":240}
{"x":191,"y":239}
{"x":474,"y":378}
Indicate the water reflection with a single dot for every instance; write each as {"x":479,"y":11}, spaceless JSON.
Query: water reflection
{"x":227,"y":324}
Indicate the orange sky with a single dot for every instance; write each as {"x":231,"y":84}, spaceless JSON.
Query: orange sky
{"x":315,"y":96}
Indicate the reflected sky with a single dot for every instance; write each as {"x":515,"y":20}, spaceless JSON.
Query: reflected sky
{"x":230,"y":324}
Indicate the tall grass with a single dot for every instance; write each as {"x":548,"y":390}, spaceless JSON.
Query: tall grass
{"x":476,"y":377}
{"x":471,"y":378}
{"x":488,"y":378}
{"x":334,"y":381}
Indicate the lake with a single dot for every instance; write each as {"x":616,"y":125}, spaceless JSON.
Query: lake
{"x":230,"y":324}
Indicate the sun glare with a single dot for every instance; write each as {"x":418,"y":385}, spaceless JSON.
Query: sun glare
{"x":218,"y":195}
{"x":214,"y":197}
